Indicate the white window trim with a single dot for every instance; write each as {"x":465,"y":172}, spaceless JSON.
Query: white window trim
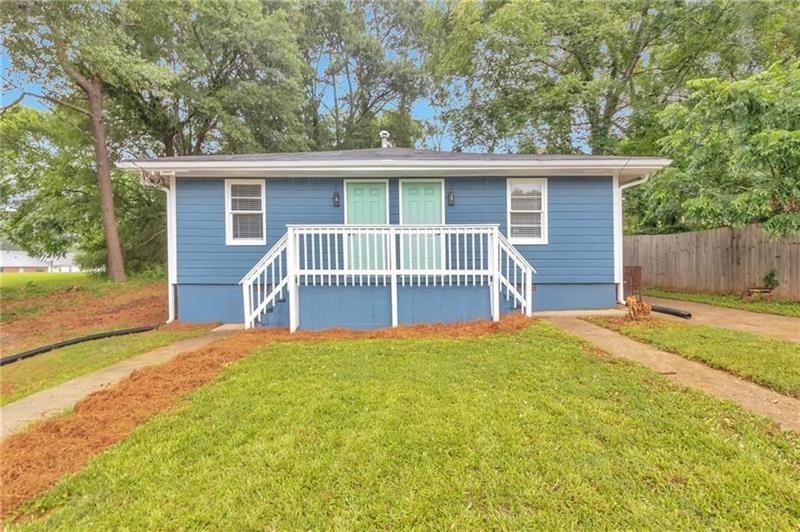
{"x":229,"y":240}
{"x":401,"y":182}
{"x":545,"y":211}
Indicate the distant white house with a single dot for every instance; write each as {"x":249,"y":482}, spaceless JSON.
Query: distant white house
{"x":13,"y":260}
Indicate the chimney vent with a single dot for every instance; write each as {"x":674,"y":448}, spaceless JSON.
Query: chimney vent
{"x":385,"y":139}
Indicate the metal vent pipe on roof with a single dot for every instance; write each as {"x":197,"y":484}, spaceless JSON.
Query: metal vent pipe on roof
{"x":385,"y":139}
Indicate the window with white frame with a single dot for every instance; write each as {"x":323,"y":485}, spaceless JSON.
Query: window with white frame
{"x":527,"y":211}
{"x":245,"y":223}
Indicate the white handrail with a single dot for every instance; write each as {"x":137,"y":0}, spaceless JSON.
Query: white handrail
{"x":384,"y":255}
{"x":264,"y":284}
{"x":277,"y":248}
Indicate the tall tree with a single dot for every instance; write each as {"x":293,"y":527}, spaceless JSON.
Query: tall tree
{"x":236,"y":84}
{"x":736,"y":151}
{"x":365,"y":71}
{"x":50,"y":198}
{"x":578,"y":76}
{"x":75,"y":50}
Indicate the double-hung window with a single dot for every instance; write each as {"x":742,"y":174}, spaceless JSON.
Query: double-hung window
{"x":245,"y":221}
{"x":527,"y":210}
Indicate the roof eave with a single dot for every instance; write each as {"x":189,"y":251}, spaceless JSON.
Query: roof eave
{"x":627,"y":169}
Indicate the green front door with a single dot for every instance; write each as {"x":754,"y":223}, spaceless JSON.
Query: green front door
{"x":422,"y":205}
{"x":366,"y":205}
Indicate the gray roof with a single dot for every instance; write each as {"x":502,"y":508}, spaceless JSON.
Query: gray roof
{"x":14,"y":258}
{"x":381,"y":153}
{"x":18,"y":258}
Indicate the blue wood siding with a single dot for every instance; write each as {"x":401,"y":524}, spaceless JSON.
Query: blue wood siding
{"x":580,"y":225}
{"x":203,"y":257}
{"x":362,"y":307}
{"x":574,"y":270}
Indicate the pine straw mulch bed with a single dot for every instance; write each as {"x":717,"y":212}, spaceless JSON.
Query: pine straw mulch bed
{"x":77,"y":312}
{"x":33,"y":461}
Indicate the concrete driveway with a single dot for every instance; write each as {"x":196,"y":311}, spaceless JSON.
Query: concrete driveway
{"x":781,"y":327}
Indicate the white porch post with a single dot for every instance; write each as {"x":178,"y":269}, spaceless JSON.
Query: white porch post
{"x":529,"y":294}
{"x":247,"y":293}
{"x":393,"y":273}
{"x":494,"y":261}
{"x":291,"y":274}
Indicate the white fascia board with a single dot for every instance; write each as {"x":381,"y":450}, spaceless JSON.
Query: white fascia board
{"x":627,"y":169}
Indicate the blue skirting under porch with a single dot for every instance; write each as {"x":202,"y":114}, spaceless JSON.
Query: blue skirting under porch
{"x":369,"y":307}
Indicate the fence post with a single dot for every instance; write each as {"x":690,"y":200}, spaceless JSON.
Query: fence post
{"x":291,"y":276}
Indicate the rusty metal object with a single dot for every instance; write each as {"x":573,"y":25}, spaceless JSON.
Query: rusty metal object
{"x":632,"y":281}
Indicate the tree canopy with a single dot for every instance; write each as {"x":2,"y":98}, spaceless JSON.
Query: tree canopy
{"x":566,"y":76}
{"x":736,"y":150}
{"x":711,"y":84}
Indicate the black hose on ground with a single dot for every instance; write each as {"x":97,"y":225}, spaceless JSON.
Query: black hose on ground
{"x":97,"y":336}
{"x":671,"y":311}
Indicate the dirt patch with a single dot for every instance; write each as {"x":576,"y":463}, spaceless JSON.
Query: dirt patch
{"x":467,"y":329}
{"x":77,"y":312}
{"x":616,"y":324}
{"x":34,"y":460}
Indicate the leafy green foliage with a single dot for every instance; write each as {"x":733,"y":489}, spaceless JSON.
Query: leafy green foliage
{"x":50,"y":187}
{"x":236,"y":83}
{"x":564,"y":76}
{"x":770,"y":280}
{"x":364,"y":72}
{"x":736,"y":151}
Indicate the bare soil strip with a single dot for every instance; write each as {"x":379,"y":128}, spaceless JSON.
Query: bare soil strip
{"x":33,"y":461}
{"x":78,"y":312}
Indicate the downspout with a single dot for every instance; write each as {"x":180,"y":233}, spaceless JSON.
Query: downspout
{"x":619,"y":233}
{"x":165,"y":181}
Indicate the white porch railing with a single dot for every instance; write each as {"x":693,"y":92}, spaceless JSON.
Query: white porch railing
{"x":393,"y":255}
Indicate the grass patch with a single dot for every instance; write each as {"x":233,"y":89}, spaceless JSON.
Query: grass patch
{"x":23,"y":378}
{"x":526,"y":430}
{"x":15,"y":286}
{"x":767,"y":361}
{"x":781,"y":307}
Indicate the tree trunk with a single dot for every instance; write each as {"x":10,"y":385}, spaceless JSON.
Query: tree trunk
{"x":116,"y":269}
{"x":169,"y":145}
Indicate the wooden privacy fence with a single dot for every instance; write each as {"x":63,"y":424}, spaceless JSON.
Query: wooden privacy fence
{"x":719,"y":261}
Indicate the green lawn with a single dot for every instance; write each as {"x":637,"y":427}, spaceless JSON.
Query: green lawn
{"x":531,"y":430}
{"x":770,"y":362}
{"x":782,"y":307}
{"x":16,"y":285}
{"x":31,"y":375}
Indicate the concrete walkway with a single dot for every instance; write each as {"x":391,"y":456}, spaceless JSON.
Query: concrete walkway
{"x":781,"y":327}
{"x":780,"y":408}
{"x":15,"y":416}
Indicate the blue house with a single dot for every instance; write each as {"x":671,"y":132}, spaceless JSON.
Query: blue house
{"x":387,"y":236}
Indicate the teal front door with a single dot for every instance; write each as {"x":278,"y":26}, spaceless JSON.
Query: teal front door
{"x":365,"y":204}
{"x":422,"y":204}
